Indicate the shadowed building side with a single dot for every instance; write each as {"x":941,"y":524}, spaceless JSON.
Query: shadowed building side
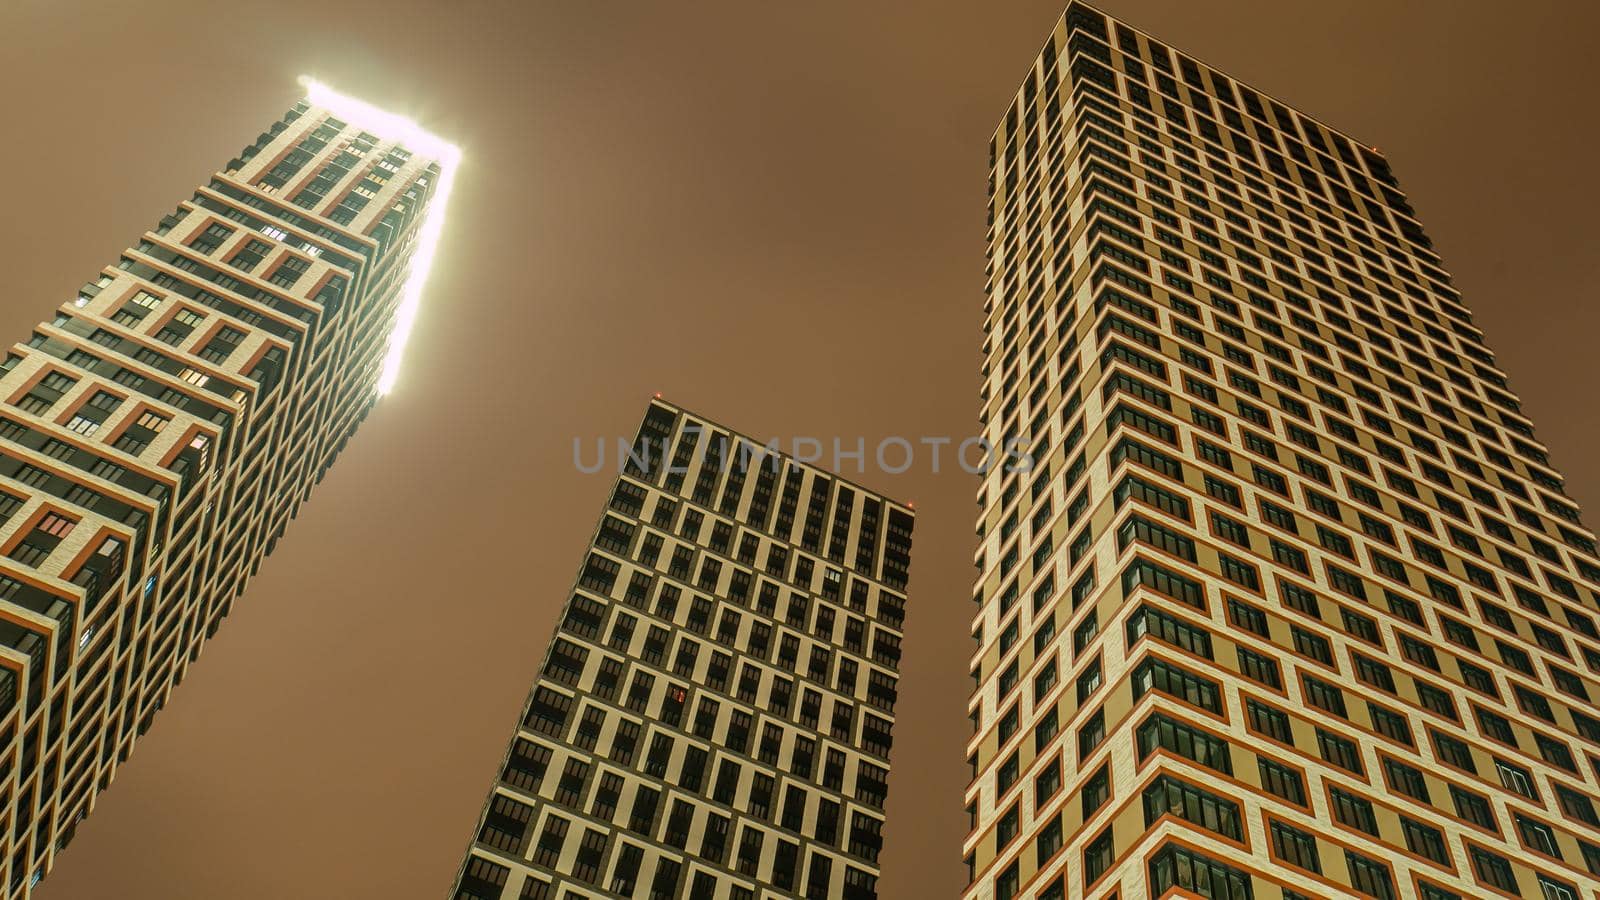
{"x":713,"y":717}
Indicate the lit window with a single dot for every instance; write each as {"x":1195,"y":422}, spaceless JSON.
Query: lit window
{"x":153,"y":421}
{"x":83,"y":425}
{"x":56,"y":524}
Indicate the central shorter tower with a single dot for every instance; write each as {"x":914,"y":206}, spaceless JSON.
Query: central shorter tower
{"x":714,"y":715}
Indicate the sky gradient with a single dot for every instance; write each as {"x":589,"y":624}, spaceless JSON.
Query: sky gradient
{"x":771,"y":213}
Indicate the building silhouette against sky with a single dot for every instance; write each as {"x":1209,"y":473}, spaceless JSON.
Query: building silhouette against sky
{"x":1294,"y":605}
{"x":159,"y":432}
{"x":713,"y":717}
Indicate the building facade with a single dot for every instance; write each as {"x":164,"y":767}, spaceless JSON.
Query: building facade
{"x":159,"y":432}
{"x":1293,"y":604}
{"x":713,"y":716}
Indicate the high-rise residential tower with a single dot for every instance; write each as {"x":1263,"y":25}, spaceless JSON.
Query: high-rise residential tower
{"x":713,"y":716}
{"x":158,"y":433}
{"x":1293,"y":604}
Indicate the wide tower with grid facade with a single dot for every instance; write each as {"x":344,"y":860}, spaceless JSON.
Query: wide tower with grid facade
{"x":713,"y":716}
{"x":1293,"y":604}
{"x":159,"y":432}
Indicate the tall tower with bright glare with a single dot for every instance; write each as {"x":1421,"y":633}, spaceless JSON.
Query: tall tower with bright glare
{"x":405,"y":133}
{"x":157,"y":434}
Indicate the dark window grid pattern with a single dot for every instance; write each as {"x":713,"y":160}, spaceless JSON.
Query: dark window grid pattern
{"x":681,"y":733}
{"x":677,"y":633}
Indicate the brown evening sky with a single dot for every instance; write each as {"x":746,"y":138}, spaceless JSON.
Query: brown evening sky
{"x":774,"y":213}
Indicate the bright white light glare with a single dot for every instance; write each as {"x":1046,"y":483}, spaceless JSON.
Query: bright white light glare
{"x":390,"y":127}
